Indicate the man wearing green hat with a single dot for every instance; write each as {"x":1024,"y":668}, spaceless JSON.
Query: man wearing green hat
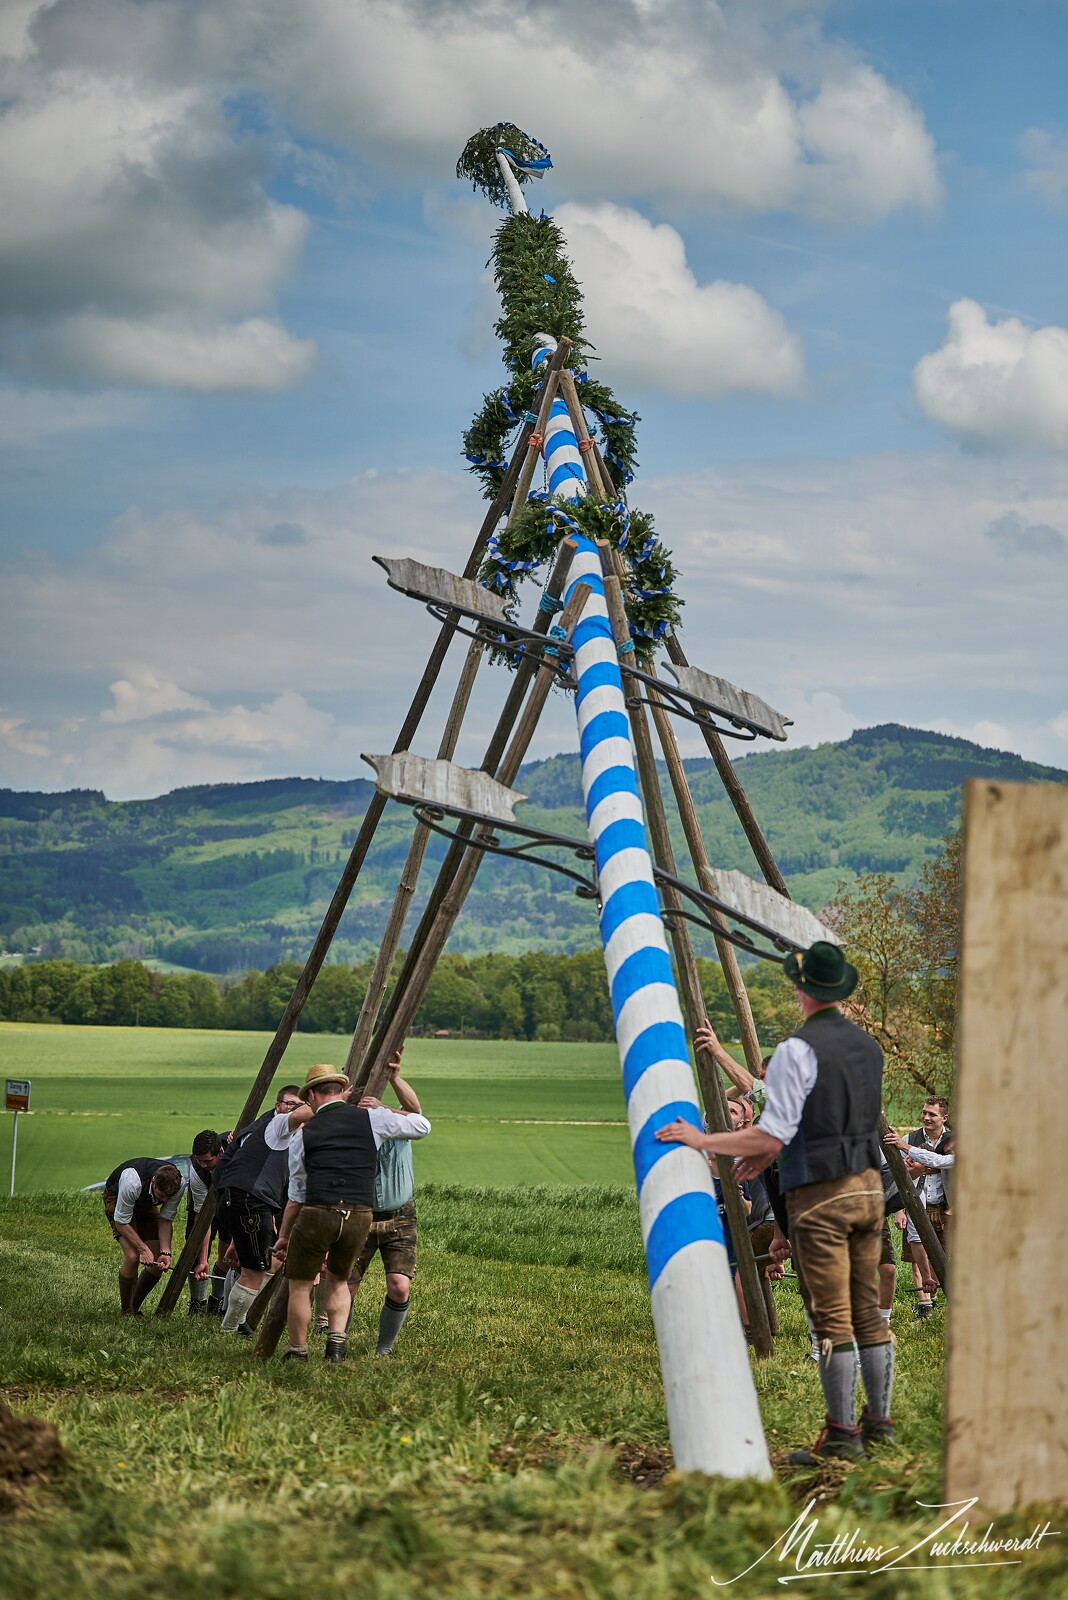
{"x":822,"y":1122}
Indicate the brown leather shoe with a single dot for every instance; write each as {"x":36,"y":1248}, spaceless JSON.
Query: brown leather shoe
{"x":875,"y":1430}
{"x":836,"y":1443}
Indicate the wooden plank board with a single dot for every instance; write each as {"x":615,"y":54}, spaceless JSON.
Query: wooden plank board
{"x":422,"y":781}
{"x":445,"y":588}
{"x":768,"y":906}
{"x":730,"y":701}
{"x":1007,"y":1392}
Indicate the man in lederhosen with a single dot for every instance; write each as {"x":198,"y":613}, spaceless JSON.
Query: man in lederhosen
{"x":140,"y":1201}
{"x":206,"y":1154}
{"x":822,"y":1122}
{"x":333,"y":1161}
{"x":394,"y":1227}
{"x":251,"y":1185}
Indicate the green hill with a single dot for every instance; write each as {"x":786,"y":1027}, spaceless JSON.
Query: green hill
{"x":234,"y":875}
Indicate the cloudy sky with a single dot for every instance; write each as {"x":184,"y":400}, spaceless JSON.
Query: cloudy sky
{"x":244,"y":318}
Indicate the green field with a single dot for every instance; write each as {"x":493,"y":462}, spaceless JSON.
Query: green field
{"x":504,"y":1113}
{"x":515,"y":1447}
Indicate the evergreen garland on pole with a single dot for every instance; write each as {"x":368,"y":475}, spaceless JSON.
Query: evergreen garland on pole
{"x":539,"y":291}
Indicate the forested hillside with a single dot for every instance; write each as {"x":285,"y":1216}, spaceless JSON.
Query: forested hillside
{"x":226,"y":877}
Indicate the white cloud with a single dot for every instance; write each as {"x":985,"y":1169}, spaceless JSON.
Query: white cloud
{"x":653,"y":323}
{"x":144,"y":694}
{"x":258,"y":640}
{"x":172,"y":352}
{"x":1047,"y":173}
{"x":821,"y":585}
{"x":140,"y":245}
{"x":997,"y":383}
{"x":752,"y":106}
{"x":23,"y":739}
{"x":135,"y":220}
{"x":1014,"y":537}
{"x":288,"y":725}
{"x":28,"y":416}
{"x":819,"y":718}
{"x":991,"y":735}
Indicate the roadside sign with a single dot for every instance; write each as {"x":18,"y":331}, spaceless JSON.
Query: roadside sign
{"x":16,"y":1094}
{"x":16,"y":1099}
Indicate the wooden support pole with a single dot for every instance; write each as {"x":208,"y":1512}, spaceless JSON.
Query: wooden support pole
{"x":274,"y":1315}
{"x":596,"y":473}
{"x":267,"y":1292}
{"x":689,"y":982}
{"x":373,"y":815}
{"x":691,"y":826}
{"x":915,"y":1208}
{"x":728,"y":960}
{"x":458,"y":870}
{"x":1007,"y":1389}
{"x":733,"y":785}
{"x":409,"y":877}
{"x":680,"y":784}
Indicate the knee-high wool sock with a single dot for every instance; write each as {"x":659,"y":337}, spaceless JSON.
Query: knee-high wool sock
{"x":146,"y":1282}
{"x":877,"y":1370}
{"x":390,"y":1322}
{"x":837,"y":1375}
{"x":239,"y":1304}
{"x":198,"y":1288}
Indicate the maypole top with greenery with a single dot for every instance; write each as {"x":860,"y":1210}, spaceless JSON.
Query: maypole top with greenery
{"x":540,"y":294}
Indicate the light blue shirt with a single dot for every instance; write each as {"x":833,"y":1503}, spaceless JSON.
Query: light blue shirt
{"x":385,"y":1124}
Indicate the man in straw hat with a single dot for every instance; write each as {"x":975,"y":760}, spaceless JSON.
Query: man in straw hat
{"x":822,"y":1122}
{"x":333,"y":1161}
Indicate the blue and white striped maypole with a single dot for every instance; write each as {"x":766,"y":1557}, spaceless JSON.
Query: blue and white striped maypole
{"x":713,"y":1415}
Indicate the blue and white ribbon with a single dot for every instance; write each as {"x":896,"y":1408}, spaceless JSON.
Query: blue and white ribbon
{"x":535,"y":168}
{"x":563,"y":459}
{"x":712,"y":1409}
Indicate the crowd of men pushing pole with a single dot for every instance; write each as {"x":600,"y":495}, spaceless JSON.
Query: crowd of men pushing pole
{"x":319,"y":1185}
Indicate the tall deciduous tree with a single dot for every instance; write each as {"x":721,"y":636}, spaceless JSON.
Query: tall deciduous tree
{"x":904,"y":945}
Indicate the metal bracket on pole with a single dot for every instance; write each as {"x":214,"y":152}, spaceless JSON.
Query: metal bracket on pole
{"x":448,"y":597}
{"x":699,"y":697}
{"x":440,"y":789}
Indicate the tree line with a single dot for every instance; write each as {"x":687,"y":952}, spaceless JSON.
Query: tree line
{"x":537,"y":996}
{"x":903,"y":940}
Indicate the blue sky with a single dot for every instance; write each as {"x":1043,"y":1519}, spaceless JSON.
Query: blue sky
{"x":244,"y":319}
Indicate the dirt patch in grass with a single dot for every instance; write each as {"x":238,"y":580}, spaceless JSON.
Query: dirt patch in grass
{"x":820,"y":1483}
{"x":29,"y":1449}
{"x":644,"y":1465}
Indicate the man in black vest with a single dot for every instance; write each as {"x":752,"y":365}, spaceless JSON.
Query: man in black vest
{"x":140,"y":1201}
{"x":933,"y":1184}
{"x":822,"y":1122}
{"x":333,"y":1162}
{"x":251,"y":1182}
{"x":206,"y":1154}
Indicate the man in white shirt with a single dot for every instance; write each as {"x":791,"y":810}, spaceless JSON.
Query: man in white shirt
{"x":822,"y":1121}
{"x":333,"y":1162}
{"x":140,"y":1201}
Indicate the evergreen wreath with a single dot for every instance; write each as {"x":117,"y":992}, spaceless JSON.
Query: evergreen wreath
{"x":538,"y":291}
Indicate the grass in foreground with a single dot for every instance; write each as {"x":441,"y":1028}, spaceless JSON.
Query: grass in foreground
{"x":515,"y":1446}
